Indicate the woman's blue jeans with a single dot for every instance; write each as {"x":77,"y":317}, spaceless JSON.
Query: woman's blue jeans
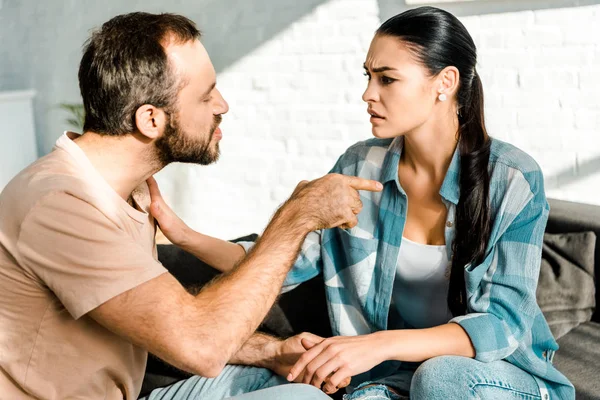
{"x":453,"y":377}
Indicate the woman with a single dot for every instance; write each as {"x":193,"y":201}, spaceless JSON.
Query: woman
{"x":432,"y":294}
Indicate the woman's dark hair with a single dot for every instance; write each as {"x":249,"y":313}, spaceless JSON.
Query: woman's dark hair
{"x":438,"y":39}
{"x":124,"y":66}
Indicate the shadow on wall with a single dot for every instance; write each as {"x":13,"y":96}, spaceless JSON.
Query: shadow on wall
{"x":234,"y":28}
{"x":42,"y":41}
{"x":389,"y":8}
{"x":572,"y":175}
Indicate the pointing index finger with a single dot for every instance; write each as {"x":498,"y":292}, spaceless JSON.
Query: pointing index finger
{"x":364,"y":184}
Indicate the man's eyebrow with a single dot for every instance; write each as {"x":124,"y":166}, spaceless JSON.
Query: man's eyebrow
{"x":380,"y":69}
{"x":210,"y":89}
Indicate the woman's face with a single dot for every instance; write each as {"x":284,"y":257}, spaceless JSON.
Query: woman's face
{"x":400,"y":94}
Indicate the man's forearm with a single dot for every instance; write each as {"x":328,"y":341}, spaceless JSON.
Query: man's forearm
{"x":234,"y":305}
{"x":226,"y":312}
{"x":259,"y":350}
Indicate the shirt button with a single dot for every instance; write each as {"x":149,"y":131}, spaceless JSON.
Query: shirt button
{"x":544,"y":354}
{"x":546,"y":397}
{"x":449,"y":224}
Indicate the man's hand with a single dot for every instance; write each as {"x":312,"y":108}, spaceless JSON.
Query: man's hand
{"x":329,"y":202}
{"x":285,"y":353}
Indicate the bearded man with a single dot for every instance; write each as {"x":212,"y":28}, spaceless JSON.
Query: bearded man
{"x":83,"y":297}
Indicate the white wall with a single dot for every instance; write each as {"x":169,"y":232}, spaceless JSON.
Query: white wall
{"x":292,"y":73}
{"x":296,"y":105}
{"x":541,"y":75}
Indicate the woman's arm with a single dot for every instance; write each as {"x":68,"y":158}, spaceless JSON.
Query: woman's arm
{"x":418,"y":345}
{"x":502,"y":295}
{"x":347,"y":356}
{"x":217,"y":253}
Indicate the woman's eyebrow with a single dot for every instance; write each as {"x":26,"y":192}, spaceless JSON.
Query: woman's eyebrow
{"x":380,"y":69}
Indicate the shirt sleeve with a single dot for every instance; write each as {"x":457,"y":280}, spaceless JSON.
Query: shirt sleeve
{"x":308,"y":264}
{"x":503,"y":306}
{"x":83,"y":257}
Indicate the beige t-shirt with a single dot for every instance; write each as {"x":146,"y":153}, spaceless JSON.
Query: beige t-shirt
{"x":69,"y":243}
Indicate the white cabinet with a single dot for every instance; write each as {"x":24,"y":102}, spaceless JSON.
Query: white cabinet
{"x":17,"y":134}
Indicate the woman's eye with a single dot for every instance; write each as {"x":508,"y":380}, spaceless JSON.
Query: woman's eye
{"x":206,"y":100}
{"x":367,"y":75}
{"x":386,"y":81}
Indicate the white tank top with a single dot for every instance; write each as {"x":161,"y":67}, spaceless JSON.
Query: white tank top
{"x":421,"y":286}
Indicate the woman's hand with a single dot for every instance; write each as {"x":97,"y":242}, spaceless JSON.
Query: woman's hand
{"x":337,"y":359}
{"x":290,"y":350}
{"x":217,"y":253}
{"x":170,"y":224}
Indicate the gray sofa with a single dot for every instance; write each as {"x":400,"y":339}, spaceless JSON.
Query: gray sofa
{"x":579,"y":354}
{"x":303,"y":309}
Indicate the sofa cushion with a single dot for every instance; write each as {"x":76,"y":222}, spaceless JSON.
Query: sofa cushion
{"x":579,"y":359}
{"x":566,"y":287}
{"x":566,"y":216}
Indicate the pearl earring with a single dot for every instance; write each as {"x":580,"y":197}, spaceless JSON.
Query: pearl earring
{"x":442,"y":97}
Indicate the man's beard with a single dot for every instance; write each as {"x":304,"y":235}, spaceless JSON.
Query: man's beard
{"x":175,"y":146}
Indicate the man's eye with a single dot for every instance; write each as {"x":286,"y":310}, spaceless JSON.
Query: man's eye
{"x":386,"y":81}
{"x":367,"y":75}
{"x":206,"y":100}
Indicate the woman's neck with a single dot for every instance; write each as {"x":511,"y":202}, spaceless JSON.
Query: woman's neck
{"x":429,"y":149}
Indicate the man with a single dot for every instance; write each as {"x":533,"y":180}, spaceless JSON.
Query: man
{"x":82,"y":295}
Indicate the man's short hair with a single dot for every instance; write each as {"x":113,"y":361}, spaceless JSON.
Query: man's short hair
{"x":124,"y":66}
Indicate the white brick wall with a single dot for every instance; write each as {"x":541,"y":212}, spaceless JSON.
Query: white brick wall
{"x":540,"y":68}
{"x":295,"y":106}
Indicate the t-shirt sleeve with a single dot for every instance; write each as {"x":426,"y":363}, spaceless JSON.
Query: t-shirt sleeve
{"x":80,"y":254}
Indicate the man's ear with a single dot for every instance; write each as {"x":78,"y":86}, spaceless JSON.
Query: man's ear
{"x":150,"y":121}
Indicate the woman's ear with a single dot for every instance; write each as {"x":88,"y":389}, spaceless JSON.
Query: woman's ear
{"x":150,"y":121}
{"x":449,"y":80}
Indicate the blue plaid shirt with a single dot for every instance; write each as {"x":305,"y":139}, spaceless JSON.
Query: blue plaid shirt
{"x":503,"y":319}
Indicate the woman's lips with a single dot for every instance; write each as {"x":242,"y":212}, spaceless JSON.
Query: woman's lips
{"x":376,"y":120}
{"x":374,"y":115}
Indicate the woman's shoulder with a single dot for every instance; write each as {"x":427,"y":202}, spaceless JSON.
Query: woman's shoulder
{"x":512,"y":157}
{"x":514,"y":172}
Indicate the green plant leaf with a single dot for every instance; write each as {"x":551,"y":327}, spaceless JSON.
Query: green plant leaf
{"x":76,"y":114}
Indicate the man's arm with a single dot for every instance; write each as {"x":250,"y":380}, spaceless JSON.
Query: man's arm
{"x":280,"y":355}
{"x":212,"y":326}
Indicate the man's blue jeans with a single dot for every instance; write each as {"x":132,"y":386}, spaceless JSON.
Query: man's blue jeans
{"x":239,"y":383}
